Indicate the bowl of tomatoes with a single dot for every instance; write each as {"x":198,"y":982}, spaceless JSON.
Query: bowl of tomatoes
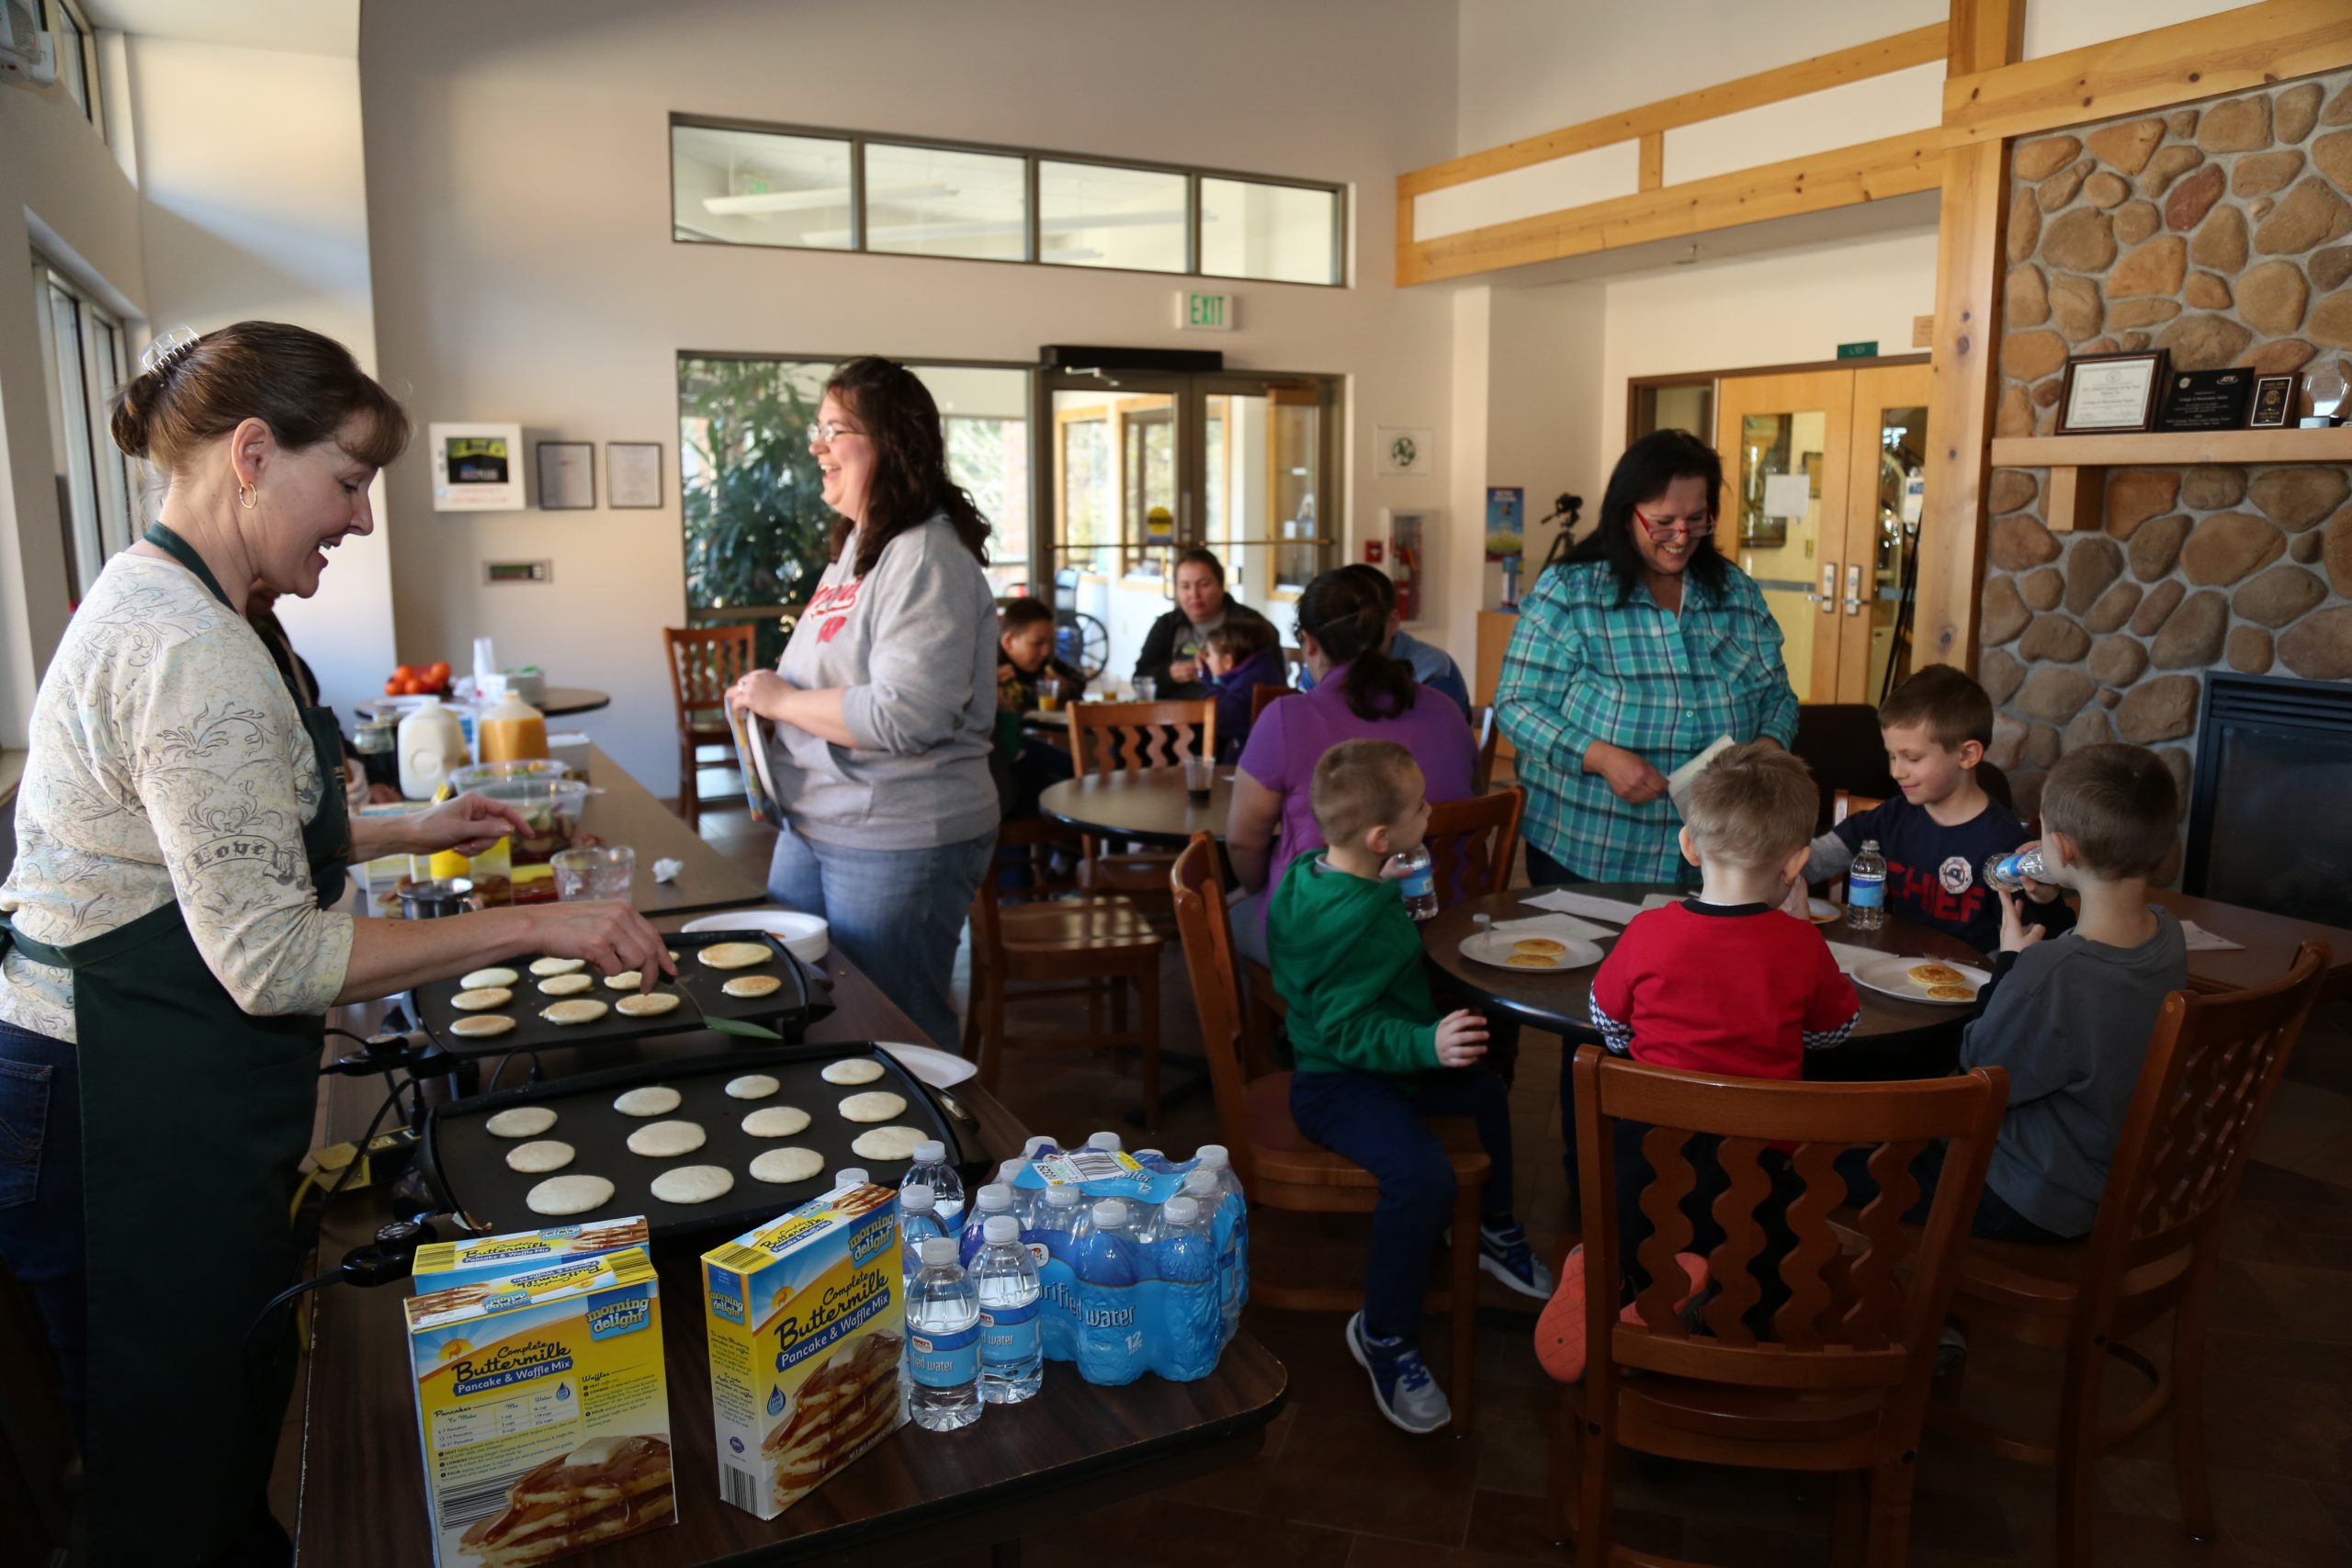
{"x":419,"y":680}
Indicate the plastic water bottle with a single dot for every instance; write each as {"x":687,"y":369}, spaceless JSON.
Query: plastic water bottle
{"x":1024,"y":1208}
{"x":942,"y":1341}
{"x":2010,"y":870}
{"x":931,"y":1170}
{"x":1191,"y":1315}
{"x":849,"y":1175}
{"x":1052,"y":1242}
{"x":1037,"y":1148}
{"x":918,"y":1222}
{"x":1110,"y":1330}
{"x":1229,"y":1227}
{"x":1416,"y":881}
{"x":1108,"y":1142}
{"x":1012,"y":1354}
{"x":1153,"y":1160}
{"x":995,"y":1198}
{"x":1866,"y":889}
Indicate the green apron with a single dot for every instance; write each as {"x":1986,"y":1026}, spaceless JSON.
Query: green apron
{"x":194,"y":1119}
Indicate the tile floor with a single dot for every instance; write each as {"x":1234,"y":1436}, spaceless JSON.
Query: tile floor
{"x":1336,"y":1485}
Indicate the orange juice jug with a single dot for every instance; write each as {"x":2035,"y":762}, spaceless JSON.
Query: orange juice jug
{"x":511,"y":731}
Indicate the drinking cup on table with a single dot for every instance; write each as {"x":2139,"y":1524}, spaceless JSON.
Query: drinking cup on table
{"x":1049,"y":699}
{"x":598,"y":872}
{"x":1145,"y":688}
{"x":1197,"y":771}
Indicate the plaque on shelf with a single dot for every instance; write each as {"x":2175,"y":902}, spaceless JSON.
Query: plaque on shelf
{"x":2274,"y":403}
{"x":2104,"y":393}
{"x":2207,"y":400}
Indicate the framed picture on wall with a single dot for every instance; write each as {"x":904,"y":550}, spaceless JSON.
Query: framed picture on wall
{"x":567,"y":475}
{"x":633,"y":472}
{"x":476,"y":467}
{"x":2104,"y":393}
{"x":2274,"y":403}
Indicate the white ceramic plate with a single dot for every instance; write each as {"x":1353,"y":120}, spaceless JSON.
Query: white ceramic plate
{"x":1822,"y":911}
{"x":1497,"y":948}
{"x":940,"y":1069}
{"x":1892,"y":975}
{"x":805,"y":937}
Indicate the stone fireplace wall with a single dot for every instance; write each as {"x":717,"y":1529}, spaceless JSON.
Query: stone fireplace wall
{"x":2223,"y":233}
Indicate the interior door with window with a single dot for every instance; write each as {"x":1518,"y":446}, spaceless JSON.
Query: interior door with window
{"x":1820,"y":474}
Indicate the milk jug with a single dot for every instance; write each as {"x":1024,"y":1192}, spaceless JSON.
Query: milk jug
{"x":432,"y":743}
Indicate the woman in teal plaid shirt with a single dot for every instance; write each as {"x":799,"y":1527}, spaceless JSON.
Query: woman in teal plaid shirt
{"x":1630,"y":656}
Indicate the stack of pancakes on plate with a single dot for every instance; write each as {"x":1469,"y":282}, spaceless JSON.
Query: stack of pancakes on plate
{"x":847,"y":1405}
{"x":606,"y":1488}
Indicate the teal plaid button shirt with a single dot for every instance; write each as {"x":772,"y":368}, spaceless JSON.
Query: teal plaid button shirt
{"x":1583,"y":668}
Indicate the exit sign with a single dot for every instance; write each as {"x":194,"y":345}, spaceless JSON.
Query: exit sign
{"x":1200,"y":312}
{"x":1859,"y":350}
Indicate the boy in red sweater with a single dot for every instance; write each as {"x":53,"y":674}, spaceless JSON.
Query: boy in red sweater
{"x":1724,"y":982}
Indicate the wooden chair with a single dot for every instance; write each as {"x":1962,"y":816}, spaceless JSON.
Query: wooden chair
{"x":1280,"y":1169}
{"x":1038,"y":840}
{"x":704,"y":662}
{"x":1482,"y":724}
{"x":1108,"y":737}
{"x":1263,"y":696}
{"x":1839,"y":1381}
{"x":1472,"y":843}
{"x":1092,"y":947}
{"x":2211,"y":1069}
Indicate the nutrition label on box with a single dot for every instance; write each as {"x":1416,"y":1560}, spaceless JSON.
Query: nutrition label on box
{"x":463,"y":1425}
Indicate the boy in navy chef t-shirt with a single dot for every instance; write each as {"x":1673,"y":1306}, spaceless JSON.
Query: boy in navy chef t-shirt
{"x":1938,"y":834}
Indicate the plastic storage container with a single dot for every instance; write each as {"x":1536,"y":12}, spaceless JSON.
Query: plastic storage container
{"x":431,"y":742}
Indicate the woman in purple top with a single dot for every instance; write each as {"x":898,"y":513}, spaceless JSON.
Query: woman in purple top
{"x":1360,"y":694}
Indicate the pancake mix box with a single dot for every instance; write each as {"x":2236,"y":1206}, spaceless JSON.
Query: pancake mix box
{"x":806,"y":1320}
{"x":544,"y":1411}
{"x":480,"y":1259}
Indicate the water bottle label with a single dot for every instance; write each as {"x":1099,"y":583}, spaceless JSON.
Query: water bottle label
{"x":1865,"y":892}
{"x":1419,"y":885}
{"x":944,"y":1361}
{"x":1009,"y":1336}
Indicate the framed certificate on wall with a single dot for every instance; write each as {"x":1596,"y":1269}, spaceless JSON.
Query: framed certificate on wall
{"x":567,"y":475}
{"x":2110,"y":392}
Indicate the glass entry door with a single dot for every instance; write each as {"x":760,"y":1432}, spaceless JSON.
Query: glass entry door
{"x":1138,"y":467}
{"x":1821,"y":472}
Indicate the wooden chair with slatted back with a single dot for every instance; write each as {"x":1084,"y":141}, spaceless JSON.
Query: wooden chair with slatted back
{"x":704,"y":662}
{"x":1838,"y":1378}
{"x":1472,"y":843}
{"x":2213,"y":1066}
{"x":1107,"y":738}
{"x":1098,"y":948}
{"x":1278,"y":1166}
{"x":1491,"y":735}
{"x":1263,"y":696}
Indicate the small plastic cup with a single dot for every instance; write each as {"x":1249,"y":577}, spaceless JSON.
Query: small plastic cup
{"x":1198,"y":772}
{"x":598,"y":872}
{"x":1146,"y":689}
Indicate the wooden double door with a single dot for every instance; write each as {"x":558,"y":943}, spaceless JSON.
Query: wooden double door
{"x":1823,"y":476}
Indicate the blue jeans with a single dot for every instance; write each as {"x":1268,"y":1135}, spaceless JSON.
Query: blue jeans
{"x":897,"y":913}
{"x":1376,"y":1121}
{"x":40,"y":1193}
{"x":1543,"y":871}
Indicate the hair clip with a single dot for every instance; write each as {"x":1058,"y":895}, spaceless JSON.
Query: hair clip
{"x":166,"y":350}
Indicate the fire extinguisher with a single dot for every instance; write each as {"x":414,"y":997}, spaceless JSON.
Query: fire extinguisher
{"x":1408,"y":577}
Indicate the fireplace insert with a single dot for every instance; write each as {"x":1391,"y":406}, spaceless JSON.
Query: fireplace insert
{"x":2270,"y":806}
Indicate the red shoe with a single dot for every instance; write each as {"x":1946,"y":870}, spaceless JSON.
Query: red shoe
{"x":1559,"y":1331}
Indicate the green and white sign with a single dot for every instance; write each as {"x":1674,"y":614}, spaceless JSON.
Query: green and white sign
{"x":1199,"y":312}
{"x":1859,"y":350}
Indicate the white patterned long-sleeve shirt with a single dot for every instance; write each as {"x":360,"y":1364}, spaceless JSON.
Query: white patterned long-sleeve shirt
{"x":169,"y":762}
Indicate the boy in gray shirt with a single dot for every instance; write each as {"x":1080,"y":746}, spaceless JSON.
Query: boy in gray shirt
{"x":2069,"y":1017}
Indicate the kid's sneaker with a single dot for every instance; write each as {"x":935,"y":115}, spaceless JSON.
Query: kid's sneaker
{"x":1559,"y":1332}
{"x":1504,"y":1253}
{"x":1401,"y":1385}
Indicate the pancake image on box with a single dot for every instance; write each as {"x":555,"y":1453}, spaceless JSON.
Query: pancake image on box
{"x":542,"y":1412}
{"x":807,"y":1326}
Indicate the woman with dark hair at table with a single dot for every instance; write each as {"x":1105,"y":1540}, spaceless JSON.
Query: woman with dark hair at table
{"x":883,"y":708}
{"x":1170,"y":658}
{"x":1635,"y":651}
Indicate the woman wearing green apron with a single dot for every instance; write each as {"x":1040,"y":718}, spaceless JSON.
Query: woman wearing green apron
{"x":167,"y":945}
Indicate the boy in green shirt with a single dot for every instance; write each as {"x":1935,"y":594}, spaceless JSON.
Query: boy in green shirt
{"x":1373,"y":1059}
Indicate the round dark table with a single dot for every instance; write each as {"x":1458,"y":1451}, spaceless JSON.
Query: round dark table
{"x":561,"y":702}
{"x":1147,"y":806}
{"x":1893,"y":1038}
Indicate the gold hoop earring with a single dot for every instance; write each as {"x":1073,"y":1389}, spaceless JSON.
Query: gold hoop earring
{"x":245,"y":497}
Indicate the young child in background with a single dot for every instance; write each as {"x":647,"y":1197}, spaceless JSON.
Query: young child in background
{"x":1723,"y":982}
{"x":1026,"y":670}
{"x":2069,"y":1019}
{"x":1938,"y":834}
{"x":1240,"y":656}
{"x":1373,"y":1059}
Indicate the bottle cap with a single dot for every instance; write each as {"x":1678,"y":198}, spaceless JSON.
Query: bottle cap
{"x":1011,"y":1170}
{"x":1148,"y":1156}
{"x":1062,"y":1197}
{"x":931,"y":1151}
{"x":850,"y":1176}
{"x":938,"y":1250}
{"x":1201,"y":1183}
{"x":996,"y":1195}
{"x":1869,"y":843}
{"x":1001,"y":1227}
{"x":1107,"y":1142}
{"x":1180,"y":1210}
{"x":919,"y":1198}
{"x":1029,"y":1150}
{"x":1213,"y":1157}
{"x":1109,"y":1214}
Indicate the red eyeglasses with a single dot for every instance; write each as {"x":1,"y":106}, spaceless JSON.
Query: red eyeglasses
{"x":1668,"y":527}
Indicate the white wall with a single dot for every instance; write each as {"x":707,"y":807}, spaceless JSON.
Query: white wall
{"x":248,"y":218}
{"x":519,"y":219}
{"x":2053,"y":27}
{"x":58,"y":183}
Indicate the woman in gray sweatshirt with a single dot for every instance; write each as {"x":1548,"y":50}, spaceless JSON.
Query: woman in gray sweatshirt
{"x":881,"y":713}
